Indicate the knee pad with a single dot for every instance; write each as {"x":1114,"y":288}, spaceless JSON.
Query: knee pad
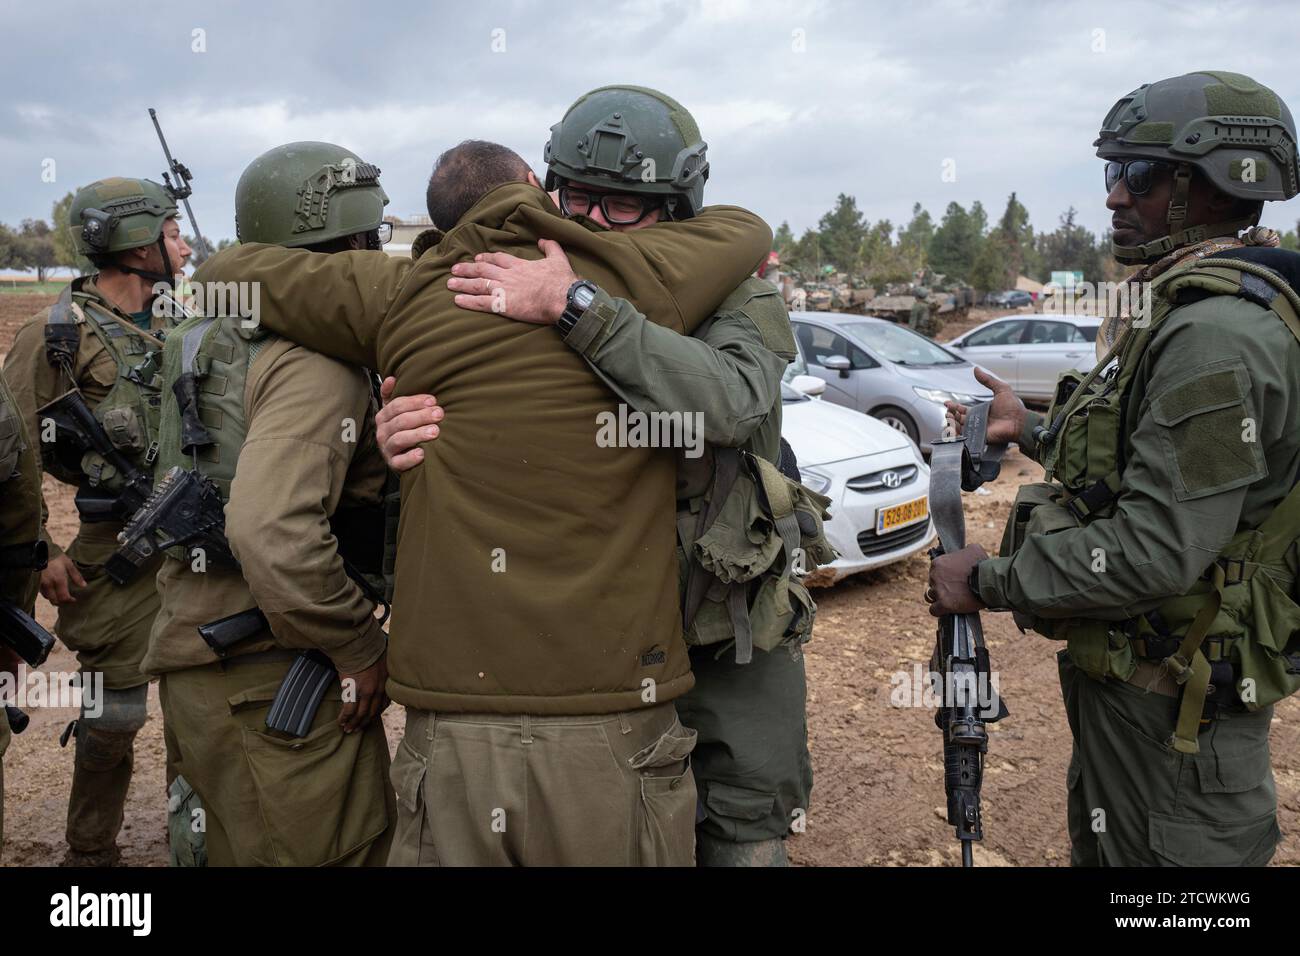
{"x":123,"y":711}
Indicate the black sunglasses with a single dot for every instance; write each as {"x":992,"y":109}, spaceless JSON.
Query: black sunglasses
{"x":1138,"y":174}
{"x":620,"y":209}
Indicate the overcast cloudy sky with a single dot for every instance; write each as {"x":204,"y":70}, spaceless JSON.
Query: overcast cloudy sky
{"x":798,"y":101}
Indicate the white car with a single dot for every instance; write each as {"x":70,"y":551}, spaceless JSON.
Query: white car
{"x":1029,"y":352}
{"x":875,"y":476}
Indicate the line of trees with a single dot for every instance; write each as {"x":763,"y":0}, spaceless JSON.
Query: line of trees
{"x":964,"y":246}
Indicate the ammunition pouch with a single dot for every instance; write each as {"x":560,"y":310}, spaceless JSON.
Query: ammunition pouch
{"x":744,"y":547}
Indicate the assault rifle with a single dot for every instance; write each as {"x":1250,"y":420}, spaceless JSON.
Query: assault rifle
{"x":960,"y":666}
{"x":185,"y":510}
{"x":33,"y":643}
{"x":76,"y":432}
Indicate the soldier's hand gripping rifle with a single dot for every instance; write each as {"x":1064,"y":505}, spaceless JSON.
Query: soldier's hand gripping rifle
{"x":76,"y":432}
{"x":960,"y":666}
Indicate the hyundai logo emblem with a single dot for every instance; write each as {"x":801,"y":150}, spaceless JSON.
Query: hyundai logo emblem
{"x":890,"y":479}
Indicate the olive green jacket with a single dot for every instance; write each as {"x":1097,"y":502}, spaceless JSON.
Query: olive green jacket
{"x":1190,"y":480}
{"x":310,"y":447}
{"x":535,"y":569}
{"x":35,"y":383}
{"x":729,"y":370}
{"x":20,"y":499}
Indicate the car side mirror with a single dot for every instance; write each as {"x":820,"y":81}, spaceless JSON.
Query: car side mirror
{"x":838,"y":363}
{"x":810,"y":385}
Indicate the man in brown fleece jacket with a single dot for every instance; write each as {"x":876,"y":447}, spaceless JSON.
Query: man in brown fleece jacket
{"x":536,"y":638}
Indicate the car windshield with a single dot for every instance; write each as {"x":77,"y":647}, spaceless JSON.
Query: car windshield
{"x":791,"y":394}
{"x":899,"y":345}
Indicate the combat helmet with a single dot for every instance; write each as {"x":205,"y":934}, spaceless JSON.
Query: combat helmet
{"x":301,"y":194}
{"x":117,"y":214}
{"x":631,"y":139}
{"x":1237,"y":133}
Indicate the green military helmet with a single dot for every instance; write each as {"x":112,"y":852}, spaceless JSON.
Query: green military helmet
{"x":1237,"y":133}
{"x":116,"y":214}
{"x":631,"y":139}
{"x":301,"y":194}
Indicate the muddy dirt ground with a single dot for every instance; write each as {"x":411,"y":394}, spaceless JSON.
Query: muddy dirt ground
{"x":878,"y":792}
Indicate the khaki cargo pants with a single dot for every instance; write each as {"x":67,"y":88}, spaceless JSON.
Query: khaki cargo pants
{"x":752,"y":764}
{"x":518,"y":790}
{"x":108,"y":628}
{"x":268,"y":799}
{"x":1133,"y":801}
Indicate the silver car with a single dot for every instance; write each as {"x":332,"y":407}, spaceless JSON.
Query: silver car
{"x":1029,"y":352}
{"x":886,"y":370}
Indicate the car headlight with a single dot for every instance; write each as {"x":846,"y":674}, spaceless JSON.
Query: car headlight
{"x":934,"y":394}
{"x":815,"y":480}
{"x":940,"y":395}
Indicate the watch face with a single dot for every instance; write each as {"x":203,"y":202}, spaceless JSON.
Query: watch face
{"x":583,"y":296}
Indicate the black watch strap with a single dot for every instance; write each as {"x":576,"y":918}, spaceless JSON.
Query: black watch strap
{"x":579,"y":298}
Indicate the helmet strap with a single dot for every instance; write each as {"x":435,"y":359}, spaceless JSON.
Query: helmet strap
{"x":165,"y":277}
{"x":1178,"y":236}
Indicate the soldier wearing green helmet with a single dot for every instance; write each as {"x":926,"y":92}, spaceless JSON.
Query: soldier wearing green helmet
{"x":625,"y":157}
{"x":1160,"y":547}
{"x":285,"y":434}
{"x":102,"y":338}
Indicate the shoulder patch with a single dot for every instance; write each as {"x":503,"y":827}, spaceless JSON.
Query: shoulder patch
{"x":761,"y":302}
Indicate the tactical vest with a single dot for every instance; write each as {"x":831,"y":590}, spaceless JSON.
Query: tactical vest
{"x":129,"y":412}
{"x":1240,"y":622}
{"x":205,"y":366}
{"x":744,"y":546}
{"x":207,"y":433}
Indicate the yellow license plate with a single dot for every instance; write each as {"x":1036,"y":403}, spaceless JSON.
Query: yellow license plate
{"x":900,"y":516}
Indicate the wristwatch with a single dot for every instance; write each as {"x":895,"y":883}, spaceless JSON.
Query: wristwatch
{"x":973,"y":581}
{"x":581,"y":294}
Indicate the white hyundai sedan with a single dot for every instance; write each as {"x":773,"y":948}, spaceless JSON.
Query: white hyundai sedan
{"x":874,"y":475}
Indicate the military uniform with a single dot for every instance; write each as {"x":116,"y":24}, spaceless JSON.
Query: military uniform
{"x":108,"y":624}
{"x":285,"y":436}
{"x":268,"y":799}
{"x":751,"y":759}
{"x":20,"y":517}
{"x":1161,"y":547}
{"x":536,"y":639}
{"x":919,"y":318}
